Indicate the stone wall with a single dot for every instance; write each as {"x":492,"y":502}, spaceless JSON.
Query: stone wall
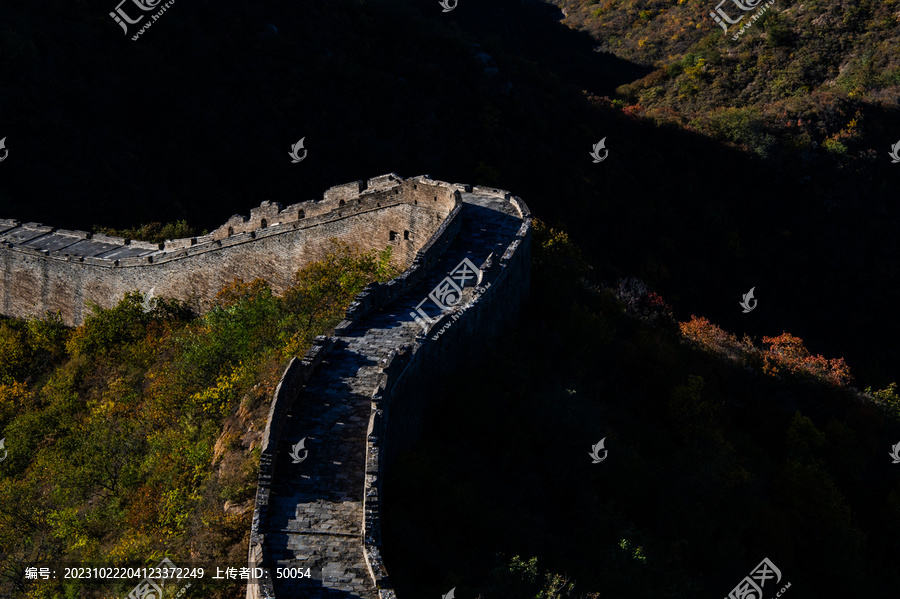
{"x":406,"y":376}
{"x":376,"y":294}
{"x":509,"y":279}
{"x":292,"y":380}
{"x":42,"y":268}
{"x":412,"y":374}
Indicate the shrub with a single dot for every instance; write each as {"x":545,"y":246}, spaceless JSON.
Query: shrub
{"x":787,"y":353}
{"x":15,"y":352}
{"x":889,"y":395}
{"x":109,"y":329}
{"x":154,"y":232}
{"x":320,"y":288}
{"x":523,"y":578}
{"x":711,"y":337}
{"x":48,"y":335}
{"x":781,"y":354}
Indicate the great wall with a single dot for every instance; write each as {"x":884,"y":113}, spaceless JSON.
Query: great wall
{"x":57,"y":269}
{"x":358,"y":397}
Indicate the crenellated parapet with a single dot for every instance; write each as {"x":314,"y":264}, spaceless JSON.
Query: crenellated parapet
{"x":359,"y":399}
{"x":44,"y":268}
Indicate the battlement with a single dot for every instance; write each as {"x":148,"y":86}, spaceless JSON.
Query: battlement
{"x":375,"y":377}
{"x":46,"y":268}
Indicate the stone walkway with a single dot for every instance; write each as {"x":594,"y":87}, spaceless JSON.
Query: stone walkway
{"x":315,"y":517}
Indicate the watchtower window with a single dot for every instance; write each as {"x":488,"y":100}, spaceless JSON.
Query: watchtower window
{"x":406,"y":235}
{"x":342,"y":202}
{"x":393,"y":236}
{"x":301,"y":214}
{"x":263,"y":223}
{"x":230,"y":231}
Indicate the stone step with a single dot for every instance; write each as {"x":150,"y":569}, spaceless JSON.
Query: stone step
{"x":316,"y":511}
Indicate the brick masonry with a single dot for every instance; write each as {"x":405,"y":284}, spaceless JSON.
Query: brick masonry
{"x":42,"y":268}
{"x":359,"y":398}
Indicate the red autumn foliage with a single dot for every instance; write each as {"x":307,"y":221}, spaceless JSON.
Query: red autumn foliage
{"x":787,"y":352}
{"x":779,"y":355}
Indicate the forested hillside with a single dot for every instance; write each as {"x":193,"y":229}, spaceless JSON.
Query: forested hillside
{"x":804,"y":75}
{"x":136,"y":435}
{"x":194,"y":122}
{"x":755,"y":163}
{"x":721,"y":451}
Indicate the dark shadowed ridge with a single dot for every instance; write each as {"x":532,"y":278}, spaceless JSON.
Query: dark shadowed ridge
{"x":195,"y":120}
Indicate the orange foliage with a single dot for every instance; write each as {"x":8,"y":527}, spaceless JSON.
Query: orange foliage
{"x":782,"y":354}
{"x":142,"y":513}
{"x":787,"y":352}
{"x":633,"y":109}
{"x":711,"y":337}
